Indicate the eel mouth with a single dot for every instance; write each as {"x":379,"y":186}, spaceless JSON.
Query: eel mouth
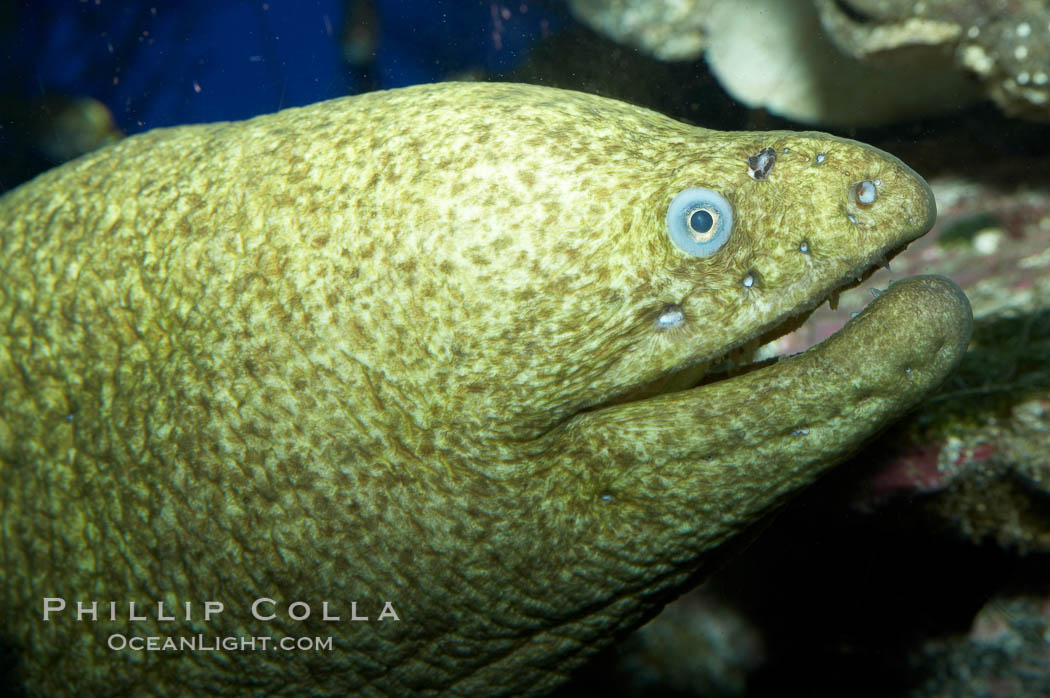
{"x":740,"y":358}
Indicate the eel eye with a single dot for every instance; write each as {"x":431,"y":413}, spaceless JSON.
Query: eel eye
{"x":699,"y":221}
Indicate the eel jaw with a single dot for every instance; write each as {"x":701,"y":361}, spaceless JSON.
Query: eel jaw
{"x":738,"y":359}
{"x":777,"y":427}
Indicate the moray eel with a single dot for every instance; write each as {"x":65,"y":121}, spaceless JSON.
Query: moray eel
{"x":432,"y":356}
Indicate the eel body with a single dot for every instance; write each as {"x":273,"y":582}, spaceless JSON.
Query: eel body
{"x":428,"y":356}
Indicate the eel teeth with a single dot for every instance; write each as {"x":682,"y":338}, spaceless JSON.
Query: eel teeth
{"x":833,"y":300}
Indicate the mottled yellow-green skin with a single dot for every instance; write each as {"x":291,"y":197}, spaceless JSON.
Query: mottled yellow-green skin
{"x":384,"y":348}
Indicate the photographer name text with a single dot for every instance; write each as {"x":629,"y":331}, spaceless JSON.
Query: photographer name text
{"x":263,"y":609}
